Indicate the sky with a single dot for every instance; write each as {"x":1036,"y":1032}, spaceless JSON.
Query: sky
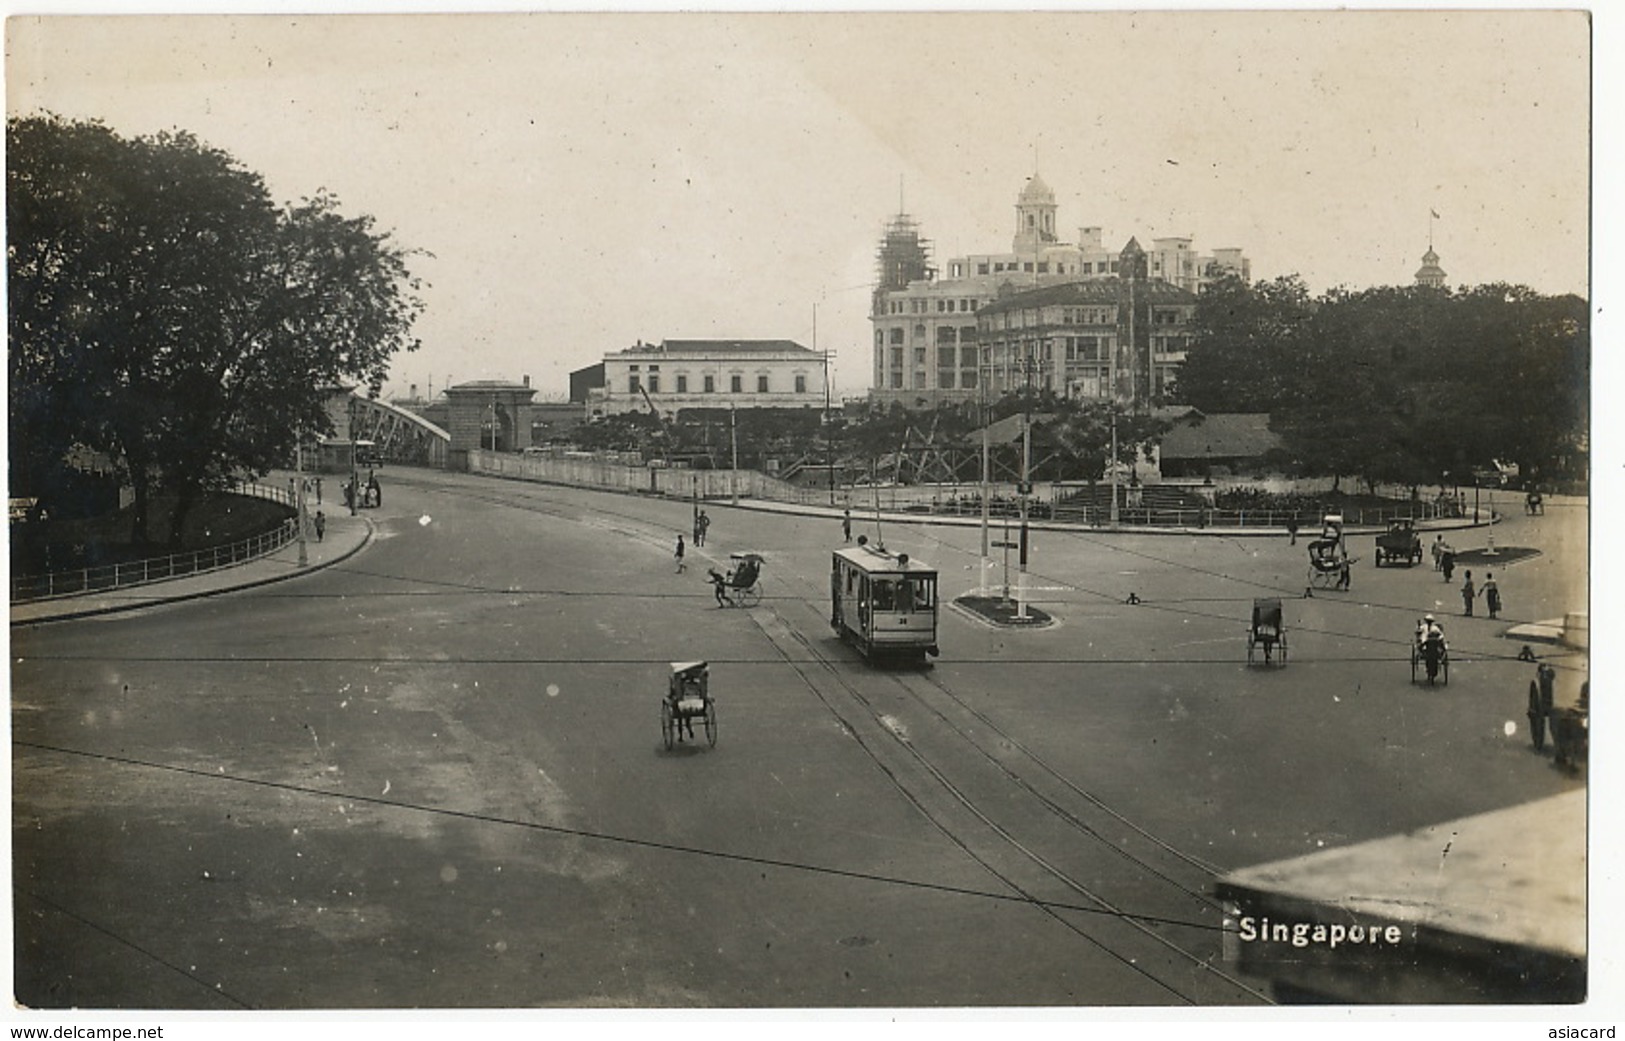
{"x":577,"y":182}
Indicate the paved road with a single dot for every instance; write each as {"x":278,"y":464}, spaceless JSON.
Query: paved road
{"x":432,"y":775}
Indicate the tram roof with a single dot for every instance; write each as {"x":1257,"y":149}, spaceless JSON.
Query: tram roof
{"x":869,"y":558}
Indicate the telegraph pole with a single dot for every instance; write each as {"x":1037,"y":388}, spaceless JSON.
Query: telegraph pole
{"x":299,"y":469}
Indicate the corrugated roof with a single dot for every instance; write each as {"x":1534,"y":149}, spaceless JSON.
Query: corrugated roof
{"x":705,"y":346}
{"x":1109,"y":290}
{"x":1233,"y":435}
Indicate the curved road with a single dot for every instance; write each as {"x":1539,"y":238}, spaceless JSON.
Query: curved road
{"x":432,"y":776}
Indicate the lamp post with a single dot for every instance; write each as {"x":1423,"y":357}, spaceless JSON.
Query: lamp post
{"x":1025,"y":488}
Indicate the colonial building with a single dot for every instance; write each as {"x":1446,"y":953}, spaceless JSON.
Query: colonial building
{"x":925,"y":326}
{"x":1116,"y":338}
{"x":707,"y":374}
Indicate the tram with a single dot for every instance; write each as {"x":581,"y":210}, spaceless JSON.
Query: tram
{"x":884,"y":604}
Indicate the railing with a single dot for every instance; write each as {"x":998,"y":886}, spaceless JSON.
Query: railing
{"x":78,"y":581}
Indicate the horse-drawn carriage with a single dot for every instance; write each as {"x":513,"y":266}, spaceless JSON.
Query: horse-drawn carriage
{"x":1267,"y":632}
{"x":688,"y":699}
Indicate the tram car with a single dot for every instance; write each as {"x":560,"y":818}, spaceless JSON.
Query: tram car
{"x":883,"y":604}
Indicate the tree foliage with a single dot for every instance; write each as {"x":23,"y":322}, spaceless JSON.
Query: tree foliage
{"x":166,"y":312}
{"x":1404,"y":384}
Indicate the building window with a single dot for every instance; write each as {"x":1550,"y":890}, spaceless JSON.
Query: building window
{"x":682,"y":384}
{"x":967,"y":357}
{"x":736,"y":384}
{"x":654,"y":383}
{"x":967,"y":379}
{"x":981,"y":269}
{"x":632,"y":383}
{"x":761,"y":384}
{"x":919,"y":357}
{"x":945,"y":357}
{"x":897,"y":335}
{"x":897,"y":381}
{"x":801,"y":384}
{"x":945,"y":379}
{"x":897,"y":357}
{"x":945,"y":334}
{"x":1043,"y":267}
{"x":710,"y":384}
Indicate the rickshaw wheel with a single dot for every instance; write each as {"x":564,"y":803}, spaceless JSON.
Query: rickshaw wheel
{"x":1416,"y":657}
{"x":668,"y":725}
{"x":711,"y":723}
{"x":1444,"y":667}
{"x":1250,"y":643}
{"x":752,"y":596}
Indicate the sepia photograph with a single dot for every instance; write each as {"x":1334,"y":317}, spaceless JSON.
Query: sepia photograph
{"x":663,"y":516}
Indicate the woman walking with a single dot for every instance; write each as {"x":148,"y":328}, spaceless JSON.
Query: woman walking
{"x":1491,"y":594}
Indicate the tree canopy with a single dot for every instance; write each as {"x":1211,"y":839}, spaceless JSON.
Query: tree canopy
{"x":164,"y":311}
{"x":1406,"y":384}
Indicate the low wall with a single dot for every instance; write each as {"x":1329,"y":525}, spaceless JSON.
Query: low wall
{"x":593,"y":472}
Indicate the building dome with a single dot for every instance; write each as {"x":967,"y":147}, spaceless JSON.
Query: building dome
{"x":1037,"y":191}
{"x":1430,"y":273}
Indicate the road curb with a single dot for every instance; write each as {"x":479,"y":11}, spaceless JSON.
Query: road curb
{"x":157,"y":601}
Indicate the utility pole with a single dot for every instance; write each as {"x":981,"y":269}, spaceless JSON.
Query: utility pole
{"x":1026,"y":487}
{"x":981,"y":405}
{"x":733,"y":437}
{"x":299,"y":469}
{"x":1112,"y":462}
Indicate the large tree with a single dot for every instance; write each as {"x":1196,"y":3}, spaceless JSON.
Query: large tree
{"x":165,"y":311}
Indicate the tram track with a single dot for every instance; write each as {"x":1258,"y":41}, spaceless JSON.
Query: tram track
{"x":1040,"y":834}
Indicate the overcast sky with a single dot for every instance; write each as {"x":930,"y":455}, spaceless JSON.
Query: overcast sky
{"x":587,"y":180}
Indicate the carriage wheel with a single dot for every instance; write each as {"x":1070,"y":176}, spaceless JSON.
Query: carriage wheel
{"x":711,"y":723}
{"x":668,"y":725}
{"x":752,"y":596}
{"x":1444,"y":667}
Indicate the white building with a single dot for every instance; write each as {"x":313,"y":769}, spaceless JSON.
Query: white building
{"x":708,"y":374}
{"x":925,"y":324}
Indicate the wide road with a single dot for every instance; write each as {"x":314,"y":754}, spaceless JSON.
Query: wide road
{"x":433,"y":775}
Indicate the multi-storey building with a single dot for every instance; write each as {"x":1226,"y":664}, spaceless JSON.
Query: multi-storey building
{"x":706,"y":374}
{"x":1118,"y":338}
{"x":925,"y":326}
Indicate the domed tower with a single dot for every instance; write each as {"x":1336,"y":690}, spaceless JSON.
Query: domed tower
{"x":1430,"y":274}
{"x":1035,"y":216}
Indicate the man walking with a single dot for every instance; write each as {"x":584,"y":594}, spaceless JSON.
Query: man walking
{"x":679,"y":554}
{"x":701,"y":524}
{"x":1467,"y":593}
{"x":321,"y":525}
{"x":1491,"y":594}
{"x":846,"y":525}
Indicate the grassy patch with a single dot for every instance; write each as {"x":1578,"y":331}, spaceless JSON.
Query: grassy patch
{"x":216,"y":519}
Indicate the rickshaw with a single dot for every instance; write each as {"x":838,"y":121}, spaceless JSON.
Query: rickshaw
{"x":1267,"y":631}
{"x":743,"y":584}
{"x":1431,"y":655}
{"x":1328,"y":564}
{"x":1570,"y":723}
{"x":688,"y":698}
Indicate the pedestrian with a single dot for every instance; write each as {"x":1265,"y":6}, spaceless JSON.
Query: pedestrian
{"x":702,"y":524}
{"x":1438,"y":551}
{"x":1292,"y":530}
{"x":679,"y":553}
{"x":318,"y":491}
{"x":719,"y":586}
{"x":321,"y":525}
{"x":1447,"y":562}
{"x":374,"y":491}
{"x":1491,"y":594}
{"x":1343,"y":572}
{"x":846,"y":525}
{"x":1467,"y":593}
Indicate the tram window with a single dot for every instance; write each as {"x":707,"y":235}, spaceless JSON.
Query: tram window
{"x":885,"y":595}
{"x":851,"y":581}
{"x":923,"y":597}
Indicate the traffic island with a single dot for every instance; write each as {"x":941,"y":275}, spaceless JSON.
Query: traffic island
{"x":1002,"y":612}
{"x":1490,"y":558}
